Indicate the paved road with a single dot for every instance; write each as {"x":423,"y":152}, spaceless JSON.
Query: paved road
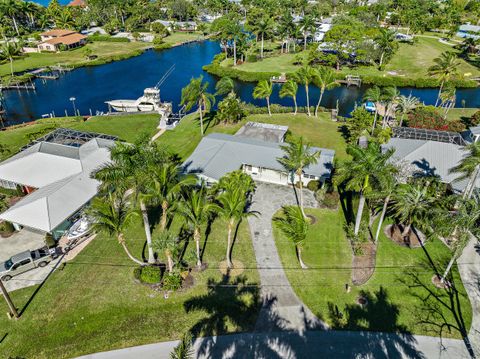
{"x":312,"y":344}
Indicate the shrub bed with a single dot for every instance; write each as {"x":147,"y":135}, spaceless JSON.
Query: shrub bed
{"x":107,"y":38}
{"x":148,"y":274}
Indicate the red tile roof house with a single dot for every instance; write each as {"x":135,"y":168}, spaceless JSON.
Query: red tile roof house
{"x":54,"y":39}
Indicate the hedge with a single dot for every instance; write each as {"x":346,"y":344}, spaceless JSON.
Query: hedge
{"x":221,"y":71}
{"x":107,"y":38}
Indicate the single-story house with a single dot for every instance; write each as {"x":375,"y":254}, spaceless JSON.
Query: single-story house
{"x":77,"y":3}
{"x":218,"y":154}
{"x":53,"y":40}
{"x":431,"y":153}
{"x":55,"y":173}
{"x":468,"y":30}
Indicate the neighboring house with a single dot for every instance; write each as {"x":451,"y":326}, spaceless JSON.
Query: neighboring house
{"x":55,"y":173}
{"x":77,"y":3}
{"x":53,"y":40}
{"x":432,"y":153}
{"x":218,"y":154}
{"x":469,"y":30}
{"x":178,"y":25}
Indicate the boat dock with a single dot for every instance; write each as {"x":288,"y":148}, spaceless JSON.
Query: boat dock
{"x":351,"y":80}
{"x":18,"y":86}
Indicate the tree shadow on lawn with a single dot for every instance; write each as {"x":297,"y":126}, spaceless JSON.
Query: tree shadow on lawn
{"x":346,"y":201}
{"x":376,"y":325}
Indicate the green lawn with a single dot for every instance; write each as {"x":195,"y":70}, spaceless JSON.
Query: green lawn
{"x":395,"y":308}
{"x":125,"y":127}
{"x":461,"y":113}
{"x":179,"y":37}
{"x":321,"y":132}
{"x":93,"y":304}
{"x":106,"y":51}
{"x":411,"y":61}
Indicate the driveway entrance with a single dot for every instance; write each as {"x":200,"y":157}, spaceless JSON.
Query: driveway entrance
{"x":20,"y":241}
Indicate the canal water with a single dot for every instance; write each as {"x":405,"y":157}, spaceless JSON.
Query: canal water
{"x":92,"y":86}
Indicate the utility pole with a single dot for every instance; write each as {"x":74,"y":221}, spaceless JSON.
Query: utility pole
{"x":13,"y":310}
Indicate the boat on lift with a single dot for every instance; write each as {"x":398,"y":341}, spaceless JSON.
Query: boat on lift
{"x":370,"y":106}
{"x":149,"y":102}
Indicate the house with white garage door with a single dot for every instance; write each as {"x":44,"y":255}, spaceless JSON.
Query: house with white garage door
{"x":255,"y":150}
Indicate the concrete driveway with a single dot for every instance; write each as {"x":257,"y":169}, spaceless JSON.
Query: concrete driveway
{"x":20,"y":241}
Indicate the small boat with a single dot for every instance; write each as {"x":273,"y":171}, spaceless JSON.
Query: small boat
{"x":370,"y":106}
{"x":149,"y":102}
{"x":79,"y":229}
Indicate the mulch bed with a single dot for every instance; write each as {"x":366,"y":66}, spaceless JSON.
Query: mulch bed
{"x":363,"y":265}
{"x":394,"y":233}
{"x":437,"y":282}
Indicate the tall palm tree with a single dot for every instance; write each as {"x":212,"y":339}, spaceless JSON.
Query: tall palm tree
{"x":446,"y":66}
{"x":304,"y":76}
{"x":9,"y":50}
{"x":307,"y":25}
{"x":167,"y":243}
{"x":64,"y":20}
{"x":233,"y":208}
{"x":405,"y":105}
{"x":375,"y":95}
{"x":390,"y":97}
{"x":289,"y":89}
{"x":387,"y":187}
{"x":129,"y":170}
{"x":298,"y":156}
{"x":412,"y":205}
{"x":167,"y":182}
{"x":112,"y":214}
{"x":224,"y":86}
{"x":233,"y":32}
{"x":363,"y":173}
{"x":196,"y":209}
{"x":324,"y":79}
{"x":195,"y":93}
{"x":263,"y":28}
{"x":469,"y":167}
{"x":294,"y":226}
{"x":387,"y":44}
{"x":11,"y":9}
{"x":264,"y":90}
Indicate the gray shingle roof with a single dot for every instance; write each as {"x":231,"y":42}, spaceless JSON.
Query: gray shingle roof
{"x":218,"y":154}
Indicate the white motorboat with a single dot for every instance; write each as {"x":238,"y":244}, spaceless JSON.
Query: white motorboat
{"x":79,"y":229}
{"x":149,"y":102}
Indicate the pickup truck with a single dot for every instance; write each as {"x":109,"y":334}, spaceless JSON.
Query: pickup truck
{"x":23,"y":262}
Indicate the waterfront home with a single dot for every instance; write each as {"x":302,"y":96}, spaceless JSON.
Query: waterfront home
{"x":54,"y":172}
{"x":432,"y":153}
{"x":468,"y":30}
{"x":59,"y":39}
{"x":218,"y":154}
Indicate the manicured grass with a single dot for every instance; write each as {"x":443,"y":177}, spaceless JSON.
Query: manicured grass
{"x":179,"y":37}
{"x":93,"y":303}
{"x":461,"y":113}
{"x":127,"y":128}
{"x":320,"y":132}
{"x":106,"y":51}
{"x":411,"y":61}
{"x":397,"y":308}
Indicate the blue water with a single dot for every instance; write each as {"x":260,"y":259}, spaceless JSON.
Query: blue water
{"x":92,"y":86}
{"x":46,"y":2}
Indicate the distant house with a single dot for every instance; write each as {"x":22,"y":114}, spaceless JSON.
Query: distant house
{"x":77,"y":3}
{"x":255,"y":151}
{"x":468,"y":30}
{"x":54,"y":40}
{"x":178,"y":25}
{"x":55,"y":173}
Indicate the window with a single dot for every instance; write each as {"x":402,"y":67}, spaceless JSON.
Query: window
{"x":248,"y":168}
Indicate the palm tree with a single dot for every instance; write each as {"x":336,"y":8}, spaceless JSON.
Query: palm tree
{"x":375,"y":95}
{"x":129,"y":170}
{"x":294,"y":226}
{"x":387,"y":187}
{"x":11,"y":9}
{"x":390,"y":96}
{"x":469,"y":167}
{"x":412,"y":205}
{"x":304,"y":76}
{"x":298,"y":156}
{"x":405,"y":105}
{"x":263,"y":29}
{"x":112,"y":215}
{"x":307,"y":25}
{"x":224,"y":86}
{"x":363,"y":173}
{"x":9,"y":50}
{"x":195,"y":93}
{"x":167,"y":182}
{"x":168,"y":243}
{"x":184,"y":349}
{"x":264,"y":90}
{"x":196,"y":209}
{"x":233,"y":205}
{"x":387,"y":43}
{"x":445,"y":67}
{"x":64,"y":20}
{"x":289,"y":89}
{"x":324,"y":79}
{"x":469,"y":45}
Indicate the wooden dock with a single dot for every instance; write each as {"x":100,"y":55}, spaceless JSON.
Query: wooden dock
{"x":351,"y":80}
{"x":18,"y":87}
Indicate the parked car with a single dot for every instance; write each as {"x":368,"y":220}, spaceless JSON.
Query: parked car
{"x":23,"y":262}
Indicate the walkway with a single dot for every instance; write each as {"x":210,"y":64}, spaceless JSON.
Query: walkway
{"x":469,"y":268}
{"x":281,"y":310}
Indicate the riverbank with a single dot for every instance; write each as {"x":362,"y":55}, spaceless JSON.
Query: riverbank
{"x":407,"y":68}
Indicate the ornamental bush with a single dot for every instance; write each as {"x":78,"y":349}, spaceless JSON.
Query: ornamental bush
{"x":172,"y":281}
{"x":475,"y":119}
{"x":429,"y":117}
